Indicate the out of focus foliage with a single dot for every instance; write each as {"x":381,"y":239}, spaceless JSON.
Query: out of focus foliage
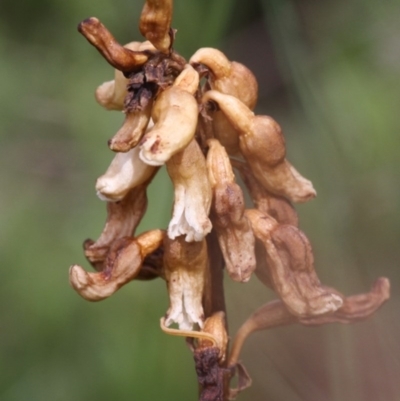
{"x":329,"y":73}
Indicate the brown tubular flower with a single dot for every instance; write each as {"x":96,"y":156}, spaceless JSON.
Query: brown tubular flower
{"x":122,"y":219}
{"x":201,"y":130}
{"x":155,"y":23}
{"x":263,"y":146}
{"x":273,"y":314}
{"x":122,"y":265}
{"x":185,"y":265}
{"x":290,"y":264}
{"x":192,"y":194}
{"x":233,"y":229}
{"x":132,"y":130}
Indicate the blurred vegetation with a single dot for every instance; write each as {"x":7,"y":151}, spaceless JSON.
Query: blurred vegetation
{"x":329,"y":73}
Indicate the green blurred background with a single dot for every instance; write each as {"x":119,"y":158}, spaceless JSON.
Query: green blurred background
{"x":329,"y":73}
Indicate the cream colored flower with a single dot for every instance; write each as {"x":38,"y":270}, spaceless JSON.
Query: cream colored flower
{"x":174,"y":114}
{"x":192,"y":194}
{"x":185,"y":265}
{"x":125,"y":172}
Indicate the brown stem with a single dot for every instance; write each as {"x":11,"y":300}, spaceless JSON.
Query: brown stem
{"x":214,"y":299}
{"x":272,"y":314}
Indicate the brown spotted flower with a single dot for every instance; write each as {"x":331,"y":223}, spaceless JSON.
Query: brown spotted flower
{"x":197,"y":118}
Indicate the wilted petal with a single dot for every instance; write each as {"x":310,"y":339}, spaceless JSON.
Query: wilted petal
{"x":356,"y":307}
{"x":122,"y":265}
{"x":290,"y":265}
{"x":192,"y":192}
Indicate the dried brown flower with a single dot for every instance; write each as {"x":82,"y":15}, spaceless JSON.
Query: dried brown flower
{"x":123,"y":262}
{"x":123,"y":218}
{"x":233,"y":229}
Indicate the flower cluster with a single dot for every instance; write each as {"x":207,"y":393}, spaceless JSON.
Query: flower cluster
{"x":196,"y":118}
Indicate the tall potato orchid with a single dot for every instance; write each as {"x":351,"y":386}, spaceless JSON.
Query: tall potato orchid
{"x":197,"y":118}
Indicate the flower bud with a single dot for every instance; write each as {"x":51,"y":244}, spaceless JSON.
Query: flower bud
{"x":185,"y":265}
{"x":122,"y":265}
{"x":263,"y":146}
{"x":234,"y":232}
{"x":192,"y":194}
{"x":125,"y":172}
{"x":155,"y":23}
{"x":175,"y":115}
{"x":119,"y":57}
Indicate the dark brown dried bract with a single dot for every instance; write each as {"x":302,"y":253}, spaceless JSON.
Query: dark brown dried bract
{"x":118,"y":56}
